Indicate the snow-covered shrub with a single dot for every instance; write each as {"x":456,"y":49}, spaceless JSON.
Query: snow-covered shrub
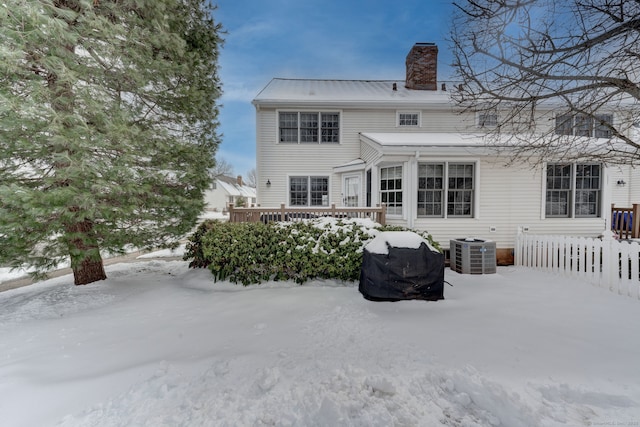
{"x":250,"y":253}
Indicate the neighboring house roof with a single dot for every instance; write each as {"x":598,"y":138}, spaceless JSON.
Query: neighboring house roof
{"x":233,"y":188}
{"x":348,"y":92}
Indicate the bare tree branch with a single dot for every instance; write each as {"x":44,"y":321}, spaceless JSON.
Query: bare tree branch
{"x":531,"y":60}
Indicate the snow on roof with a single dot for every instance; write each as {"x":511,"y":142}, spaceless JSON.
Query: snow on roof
{"x":426,"y":139}
{"x":346,"y":92}
{"x":231,"y":186}
{"x":396,"y":239}
{"x":353,"y":165}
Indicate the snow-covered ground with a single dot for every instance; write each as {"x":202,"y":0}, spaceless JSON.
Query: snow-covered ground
{"x":158,"y":344}
{"x":7,"y":274}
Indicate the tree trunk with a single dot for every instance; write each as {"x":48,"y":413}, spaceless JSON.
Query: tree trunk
{"x":86,"y":261}
{"x":89,"y":271}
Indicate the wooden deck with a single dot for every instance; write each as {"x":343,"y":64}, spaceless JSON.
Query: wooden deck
{"x":282,"y":213}
{"x":625,"y":222}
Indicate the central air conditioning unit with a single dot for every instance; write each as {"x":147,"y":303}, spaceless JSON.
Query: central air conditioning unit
{"x":473,"y":256}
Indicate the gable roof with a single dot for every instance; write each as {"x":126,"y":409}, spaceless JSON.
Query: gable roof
{"x":334,"y":93}
{"x":231,"y":187}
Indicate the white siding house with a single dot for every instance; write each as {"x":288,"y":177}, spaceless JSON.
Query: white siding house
{"x":366,"y":142}
{"x":225,"y":190}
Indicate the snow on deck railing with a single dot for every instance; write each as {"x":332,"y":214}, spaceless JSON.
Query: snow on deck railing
{"x":282,"y":213}
{"x":604,"y":262}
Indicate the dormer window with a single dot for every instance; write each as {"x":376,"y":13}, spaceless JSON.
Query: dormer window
{"x":408,"y":119}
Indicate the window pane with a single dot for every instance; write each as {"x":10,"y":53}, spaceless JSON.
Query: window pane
{"x":330,"y":127}
{"x":391,"y":189}
{"x":558,"y":190}
{"x":603,"y":123}
{"x":430,"y":190}
{"x":587,"y":190}
{"x":298,"y":191}
{"x":557,"y":203}
{"x":288,"y":124}
{"x":308,"y":127}
{"x":407,"y":119}
{"x":564,"y":124}
{"x":583,"y":125}
{"x":319,"y":191}
{"x":487,"y":119}
{"x":461,"y":189}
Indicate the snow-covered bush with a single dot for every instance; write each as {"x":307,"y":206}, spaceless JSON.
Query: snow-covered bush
{"x":250,"y":253}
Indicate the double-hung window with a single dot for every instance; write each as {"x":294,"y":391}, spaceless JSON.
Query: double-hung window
{"x":391,"y":189}
{"x":598,"y":126}
{"x":308,"y":191}
{"x":308,"y":127}
{"x":446,"y":187}
{"x":573,"y":190}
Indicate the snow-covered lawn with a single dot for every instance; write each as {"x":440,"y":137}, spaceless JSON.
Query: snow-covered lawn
{"x":158,"y":344}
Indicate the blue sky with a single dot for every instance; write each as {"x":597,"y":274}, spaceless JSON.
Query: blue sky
{"x":329,"y":39}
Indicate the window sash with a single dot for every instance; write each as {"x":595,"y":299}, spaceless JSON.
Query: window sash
{"x":460,"y":183}
{"x":602,"y":126}
{"x":288,"y":127}
{"x":430,"y":189}
{"x":330,"y":127}
{"x":391,"y":189}
{"x":308,"y":127}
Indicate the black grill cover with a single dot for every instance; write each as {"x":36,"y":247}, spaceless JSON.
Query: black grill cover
{"x":402,"y":274}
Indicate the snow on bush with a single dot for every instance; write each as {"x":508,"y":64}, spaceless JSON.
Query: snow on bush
{"x":251,"y":253}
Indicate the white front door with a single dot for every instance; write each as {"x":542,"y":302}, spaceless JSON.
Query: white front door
{"x":351,"y":191}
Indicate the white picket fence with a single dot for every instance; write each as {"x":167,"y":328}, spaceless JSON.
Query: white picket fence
{"x":605,"y":262}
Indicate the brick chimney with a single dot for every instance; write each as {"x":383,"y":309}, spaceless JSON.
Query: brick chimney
{"x":239,"y":179}
{"x":422,"y":67}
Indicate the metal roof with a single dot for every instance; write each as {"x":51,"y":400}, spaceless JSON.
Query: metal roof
{"x":347,"y":92}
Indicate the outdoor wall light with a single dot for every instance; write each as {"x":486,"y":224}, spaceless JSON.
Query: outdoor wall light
{"x":621,"y":182}
{"x":268,"y":183}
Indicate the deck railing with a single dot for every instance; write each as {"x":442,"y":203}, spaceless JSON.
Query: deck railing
{"x":261,"y":214}
{"x":625,"y":222}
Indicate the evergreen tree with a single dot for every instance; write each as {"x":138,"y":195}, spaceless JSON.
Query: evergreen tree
{"x":108,"y":123}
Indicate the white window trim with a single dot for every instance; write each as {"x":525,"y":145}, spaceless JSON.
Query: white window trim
{"x":308,"y":175}
{"x":308,"y":110}
{"x":419,"y":113}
